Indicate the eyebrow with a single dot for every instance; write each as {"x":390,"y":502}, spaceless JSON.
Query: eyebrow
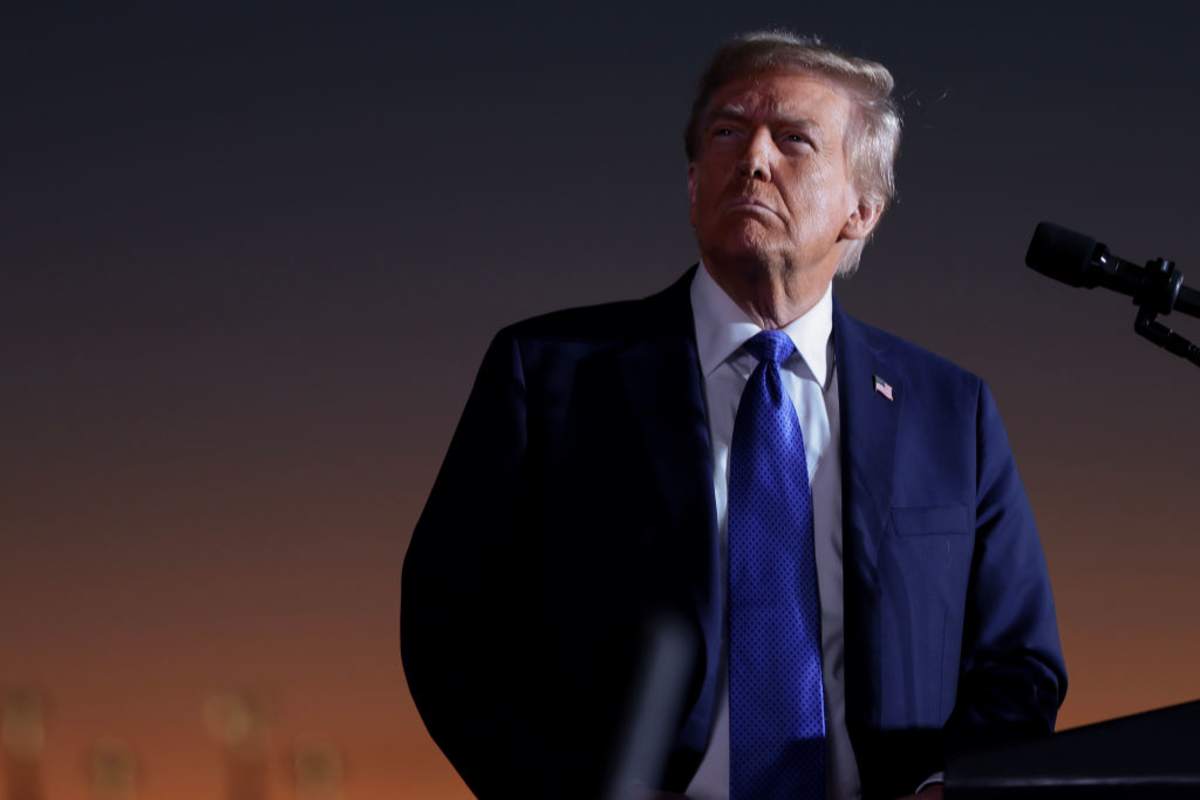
{"x":738,"y":114}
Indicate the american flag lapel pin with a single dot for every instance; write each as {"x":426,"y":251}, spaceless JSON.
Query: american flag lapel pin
{"x":883,"y":387}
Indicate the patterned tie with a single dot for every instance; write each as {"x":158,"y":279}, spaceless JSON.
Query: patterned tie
{"x":776,"y":692}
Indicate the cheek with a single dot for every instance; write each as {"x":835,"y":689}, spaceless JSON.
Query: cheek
{"x":819,"y":200}
{"x":713,"y":175}
{"x":706,"y":199}
{"x":704,"y":186}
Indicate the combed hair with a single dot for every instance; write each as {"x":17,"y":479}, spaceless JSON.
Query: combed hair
{"x":873,"y":133}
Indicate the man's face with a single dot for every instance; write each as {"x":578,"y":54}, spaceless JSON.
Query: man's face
{"x":769,"y":184}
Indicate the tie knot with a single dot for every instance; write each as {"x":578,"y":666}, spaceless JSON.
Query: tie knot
{"x":773,"y":346}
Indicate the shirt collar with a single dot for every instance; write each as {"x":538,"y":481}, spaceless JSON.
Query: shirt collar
{"x":722,"y":327}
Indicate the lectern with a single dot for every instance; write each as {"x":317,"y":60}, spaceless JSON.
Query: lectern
{"x":1155,"y":754}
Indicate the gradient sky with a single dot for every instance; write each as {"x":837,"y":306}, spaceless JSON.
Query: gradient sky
{"x":250,"y":259}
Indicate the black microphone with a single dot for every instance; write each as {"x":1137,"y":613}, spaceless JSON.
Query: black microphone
{"x":1081,"y":261}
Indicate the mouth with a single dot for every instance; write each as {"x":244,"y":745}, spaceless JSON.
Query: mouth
{"x":750,"y":205}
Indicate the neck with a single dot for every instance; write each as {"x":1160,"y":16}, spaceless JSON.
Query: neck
{"x":772,"y":296}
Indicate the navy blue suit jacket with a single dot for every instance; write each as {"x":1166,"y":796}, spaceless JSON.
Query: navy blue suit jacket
{"x":576,"y":503}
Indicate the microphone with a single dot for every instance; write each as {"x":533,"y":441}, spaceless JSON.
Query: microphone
{"x":1079,"y":260}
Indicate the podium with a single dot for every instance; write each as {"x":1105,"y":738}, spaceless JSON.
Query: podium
{"x":1155,"y":754}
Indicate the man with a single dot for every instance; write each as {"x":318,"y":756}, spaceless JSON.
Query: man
{"x":830,"y":514}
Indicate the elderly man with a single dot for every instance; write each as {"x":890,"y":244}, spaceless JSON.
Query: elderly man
{"x":832,"y":514}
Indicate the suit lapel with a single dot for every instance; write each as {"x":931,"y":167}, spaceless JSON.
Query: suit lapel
{"x":664,"y":387}
{"x":869,"y":422}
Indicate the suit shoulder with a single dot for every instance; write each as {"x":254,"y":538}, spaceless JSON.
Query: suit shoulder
{"x":920,"y":367}
{"x":606,"y":324}
{"x":599,"y":323}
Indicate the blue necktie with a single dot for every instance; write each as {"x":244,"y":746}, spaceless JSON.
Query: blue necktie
{"x":776,"y":692}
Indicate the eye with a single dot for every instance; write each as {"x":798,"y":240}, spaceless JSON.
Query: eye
{"x":797,"y":138}
{"x":721,"y":133}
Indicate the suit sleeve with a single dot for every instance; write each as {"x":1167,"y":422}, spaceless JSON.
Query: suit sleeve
{"x":460,"y":605}
{"x":1012,"y":678}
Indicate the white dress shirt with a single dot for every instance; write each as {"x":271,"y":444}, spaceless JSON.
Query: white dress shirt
{"x":809,"y":380}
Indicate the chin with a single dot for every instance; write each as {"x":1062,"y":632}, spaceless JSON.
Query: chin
{"x":746,"y":246}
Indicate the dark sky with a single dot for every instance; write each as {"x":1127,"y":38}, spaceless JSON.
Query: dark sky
{"x":250,"y":259}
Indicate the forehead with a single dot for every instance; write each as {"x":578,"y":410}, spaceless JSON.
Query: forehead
{"x":784,"y":94}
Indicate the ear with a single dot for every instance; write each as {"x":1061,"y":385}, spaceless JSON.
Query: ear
{"x":863,"y":219}
{"x":692,"y":192}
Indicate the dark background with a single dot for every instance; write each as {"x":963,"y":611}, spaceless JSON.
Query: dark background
{"x":250,"y":259}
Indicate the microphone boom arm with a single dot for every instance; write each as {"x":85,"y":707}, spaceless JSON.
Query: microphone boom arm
{"x":1160,"y":292}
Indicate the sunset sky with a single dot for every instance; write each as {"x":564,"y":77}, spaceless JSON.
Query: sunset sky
{"x":250,"y":260}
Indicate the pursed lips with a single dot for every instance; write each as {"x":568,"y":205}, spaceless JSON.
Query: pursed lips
{"x":750,"y":204}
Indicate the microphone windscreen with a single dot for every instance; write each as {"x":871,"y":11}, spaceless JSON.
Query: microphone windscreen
{"x":1062,"y":254}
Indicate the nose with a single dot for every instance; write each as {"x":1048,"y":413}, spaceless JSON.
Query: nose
{"x":756,"y":159}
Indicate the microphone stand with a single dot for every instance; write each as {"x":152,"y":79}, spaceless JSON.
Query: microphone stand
{"x":1158,"y":295}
